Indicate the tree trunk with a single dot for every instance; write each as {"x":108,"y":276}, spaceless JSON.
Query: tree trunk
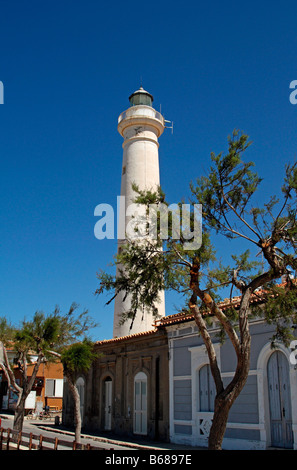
{"x":19,"y":414}
{"x":76,"y":399}
{"x":227,"y":397}
{"x":24,"y":392}
{"x":219,"y":423}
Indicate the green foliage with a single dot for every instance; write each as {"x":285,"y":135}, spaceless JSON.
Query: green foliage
{"x":227,"y":195}
{"x":37,"y":335}
{"x":279,"y":308}
{"x":46,"y":336}
{"x":142,"y":277}
{"x":78,"y":357}
{"x":228,"y":187}
{"x":73,"y":325}
{"x":6,"y":331}
{"x":46,"y":332}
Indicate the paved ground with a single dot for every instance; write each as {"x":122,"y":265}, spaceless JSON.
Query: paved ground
{"x":107,"y":438}
{"x":154,"y":448}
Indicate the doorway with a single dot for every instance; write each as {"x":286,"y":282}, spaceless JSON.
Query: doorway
{"x":140,"y":404}
{"x":280,"y":400}
{"x":108,"y":403}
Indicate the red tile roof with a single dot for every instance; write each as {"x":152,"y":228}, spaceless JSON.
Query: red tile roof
{"x":257,"y":297}
{"x":125,"y":338}
{"x":180,"y":317}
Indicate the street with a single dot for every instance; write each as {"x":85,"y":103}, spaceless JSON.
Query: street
{"x":39,"y":427}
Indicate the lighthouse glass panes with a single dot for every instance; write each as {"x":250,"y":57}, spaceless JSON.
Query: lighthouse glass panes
{"x":141,"y":97}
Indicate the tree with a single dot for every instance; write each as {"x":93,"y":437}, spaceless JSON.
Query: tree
{"x":44,"y":337}
{"x":270,"y":230}
{"x":76,"y":359}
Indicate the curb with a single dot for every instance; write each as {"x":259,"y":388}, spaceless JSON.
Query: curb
{"x":103,"y":439}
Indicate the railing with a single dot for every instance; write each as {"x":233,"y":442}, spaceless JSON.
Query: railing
{"x":15,"y":440}
{"x":151,"y":113}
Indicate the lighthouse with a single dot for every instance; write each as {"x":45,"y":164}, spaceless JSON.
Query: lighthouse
{"x":140,"y":126}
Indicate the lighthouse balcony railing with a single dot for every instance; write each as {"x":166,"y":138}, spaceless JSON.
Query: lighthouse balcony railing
{"x":149,"y":112}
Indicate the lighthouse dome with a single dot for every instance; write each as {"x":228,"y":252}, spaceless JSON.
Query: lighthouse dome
{"x":141,"y":97}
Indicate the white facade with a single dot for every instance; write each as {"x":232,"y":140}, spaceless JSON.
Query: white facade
{"x":140,"y":126}
{"x":265,"y":413}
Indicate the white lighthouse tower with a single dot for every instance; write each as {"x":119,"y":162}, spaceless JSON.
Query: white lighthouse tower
{"x":140,"y":126}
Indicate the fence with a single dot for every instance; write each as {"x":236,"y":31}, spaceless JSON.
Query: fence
{"x":15,"y":440}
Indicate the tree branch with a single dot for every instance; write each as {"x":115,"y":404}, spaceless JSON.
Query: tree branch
{"x":185,"y":262}
{"x":238,"y":215}
{"x":9,"y":373}
{"x":238,"y":283}
{"x":208,"y":344}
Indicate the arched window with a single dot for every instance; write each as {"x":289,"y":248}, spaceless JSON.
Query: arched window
{"x":140,"y":403}
{"x":207,"y":391}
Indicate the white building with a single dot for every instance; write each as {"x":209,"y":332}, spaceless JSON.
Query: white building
{"x":140,"y":126}
{"x":265,"y":413}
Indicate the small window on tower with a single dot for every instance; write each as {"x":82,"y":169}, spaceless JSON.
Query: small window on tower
{"x":124,"y":170}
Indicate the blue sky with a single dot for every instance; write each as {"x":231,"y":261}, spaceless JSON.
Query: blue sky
{"x":68,"y":68}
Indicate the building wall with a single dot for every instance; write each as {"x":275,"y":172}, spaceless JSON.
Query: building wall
{"x":249,"y":423}
{"x":119,"y":361}
{"x":47,"y":396}
{"x":53,"y":372}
